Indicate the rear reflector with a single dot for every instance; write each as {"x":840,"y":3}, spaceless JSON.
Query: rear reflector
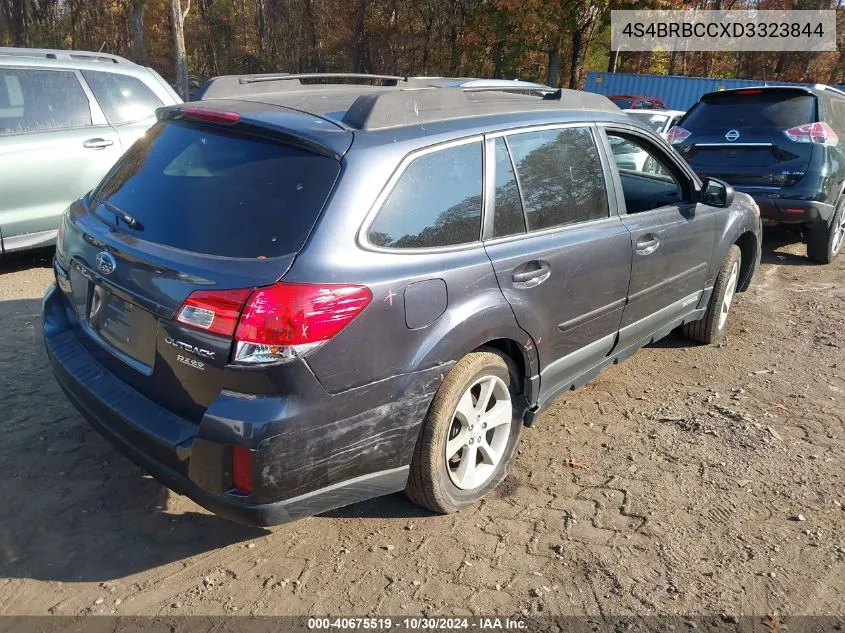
{"x":677,"y":135}
{"x":820,"y":133}
{"x":242,"y":469}
{"x":212,"y":116}
{"x":794,"y":211}
{"x":215,"y":311}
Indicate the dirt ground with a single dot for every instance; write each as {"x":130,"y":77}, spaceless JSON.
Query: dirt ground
{"x":688,"y":480}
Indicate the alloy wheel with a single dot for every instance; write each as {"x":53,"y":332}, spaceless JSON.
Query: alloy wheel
{"x":479,"y":432}
{"x":730,"y":290}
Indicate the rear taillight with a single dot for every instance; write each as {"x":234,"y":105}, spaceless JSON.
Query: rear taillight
{"x":278,"y":322}
{"x":677,"y":135}
{"x":820,"y":133}
{"x":242,"y":469}
{"x":215,"y":311}
{"x":287,"y":320}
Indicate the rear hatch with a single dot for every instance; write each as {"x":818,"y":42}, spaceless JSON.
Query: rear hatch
{"x":749,"y":137}
{"x":162,"y":257}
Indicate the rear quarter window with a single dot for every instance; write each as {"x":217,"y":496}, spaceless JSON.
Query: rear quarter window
{"x":436,"y":202}
{"x":776,"y":110}
{"x":124,"y":99}
{"x":215,"y":191}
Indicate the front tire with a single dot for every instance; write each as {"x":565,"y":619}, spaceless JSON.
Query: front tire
{"x":469,"y":437}
{"x":825,"y":241}
{"x":711,"y":328}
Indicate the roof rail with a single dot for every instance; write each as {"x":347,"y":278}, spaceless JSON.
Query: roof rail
{"x":251,"y":85}
{"x":389,"y":80}
{"x":829,"y":89}
{"x":64,"y":55}
{"x":482,"y":85}
{"x":395,"y":108}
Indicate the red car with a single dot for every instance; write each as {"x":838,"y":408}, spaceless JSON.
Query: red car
{"x":633,"y":102}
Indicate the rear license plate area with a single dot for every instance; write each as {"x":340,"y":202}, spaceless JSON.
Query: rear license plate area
{"x":123,"y":326}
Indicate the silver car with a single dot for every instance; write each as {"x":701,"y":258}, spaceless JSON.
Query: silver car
{"x":65,"y":118}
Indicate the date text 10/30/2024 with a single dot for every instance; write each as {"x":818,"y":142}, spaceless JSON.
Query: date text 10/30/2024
{"x":422,"y":624}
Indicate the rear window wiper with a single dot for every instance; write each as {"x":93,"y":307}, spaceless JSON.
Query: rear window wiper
{"x":130,"y":221}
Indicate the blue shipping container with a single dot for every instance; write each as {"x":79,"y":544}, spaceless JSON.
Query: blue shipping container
{"x":679,"y":93}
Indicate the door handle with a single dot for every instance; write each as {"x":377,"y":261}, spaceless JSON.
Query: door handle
{"x":531,"y":274}
{"x":97,"y":143}
{"x":647,"y":245}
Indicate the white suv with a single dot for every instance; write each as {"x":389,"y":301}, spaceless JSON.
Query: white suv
{"x":65,"y":118}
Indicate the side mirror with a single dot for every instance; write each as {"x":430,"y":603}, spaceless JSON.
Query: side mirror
{"x":716,"y":193}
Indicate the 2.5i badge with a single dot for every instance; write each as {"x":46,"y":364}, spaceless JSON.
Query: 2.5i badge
{"x":190,"y":362}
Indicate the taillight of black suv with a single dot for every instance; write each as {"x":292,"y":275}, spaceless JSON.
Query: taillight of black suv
{"x":781,"y":145}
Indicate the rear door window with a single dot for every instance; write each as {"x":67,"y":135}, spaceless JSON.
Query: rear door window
{"x":560,"y":175}
{"x":767,"y":109}
{"x":435,"y":203}
{"x":124,"y":99}
{"x":41,"y":100}
{"x":214,"y":191}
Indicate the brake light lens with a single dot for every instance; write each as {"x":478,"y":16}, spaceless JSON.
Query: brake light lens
{"x":677,"y":135}
{"x":212,"y":116}
{"x":275,"y":323}
{"x":215,"y":311}
{"x":283,"y":321}
{"x":753,"y":91}
{"x":820,"y":133}
{"x":242,"y":469}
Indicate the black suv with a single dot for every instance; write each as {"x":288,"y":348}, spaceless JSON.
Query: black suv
{"x":290,"y":297}
{"x":782,"y":146}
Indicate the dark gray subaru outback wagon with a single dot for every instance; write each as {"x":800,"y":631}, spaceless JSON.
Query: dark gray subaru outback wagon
{"x":289,"y":297}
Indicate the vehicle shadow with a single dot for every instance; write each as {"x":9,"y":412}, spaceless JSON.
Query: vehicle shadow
{"x":775,"y":239}
{"x":26,"y":260}
{"x":74,"y":509}
{"x":395,"y":506}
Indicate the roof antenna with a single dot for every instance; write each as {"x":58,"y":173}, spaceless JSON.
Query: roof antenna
{"x":102,"y":47}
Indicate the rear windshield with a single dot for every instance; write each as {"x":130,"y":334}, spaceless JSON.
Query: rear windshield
{"x":217,"y":192}
{"x":776,"y":110}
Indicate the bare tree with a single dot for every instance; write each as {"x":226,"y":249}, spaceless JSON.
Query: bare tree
{"x":358,"y":50}
{"x":139,"y":49}
{"x":177,"y":18}
{"x":15,"y":14}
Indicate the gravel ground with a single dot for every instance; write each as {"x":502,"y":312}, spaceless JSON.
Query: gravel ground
{"x":688,"y":480}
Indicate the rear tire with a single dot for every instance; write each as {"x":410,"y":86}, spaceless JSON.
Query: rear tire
{"x":825,"y":241}
{"x":476,"y":415}
{"x":711,"y":327}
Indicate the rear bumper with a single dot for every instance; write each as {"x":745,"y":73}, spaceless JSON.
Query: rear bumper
{"x":788,"y":210}
{"x":195,"y":460}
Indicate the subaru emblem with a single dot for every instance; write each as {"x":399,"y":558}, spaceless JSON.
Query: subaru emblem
{"x":106,"y":263}
{"x":732,"y":135}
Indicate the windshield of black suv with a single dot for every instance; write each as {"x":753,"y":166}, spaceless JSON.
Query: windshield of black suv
{"x":776,"y":109}
{"x":212,"y":190}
